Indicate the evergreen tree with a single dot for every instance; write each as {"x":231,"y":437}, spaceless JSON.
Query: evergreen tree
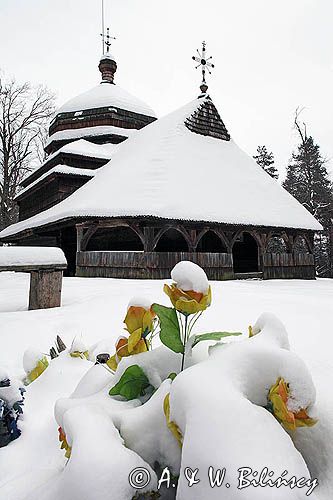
{"x":266,"y":161}
{"x":308,"y":181}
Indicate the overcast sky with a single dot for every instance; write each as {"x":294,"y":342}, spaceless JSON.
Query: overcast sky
{"x":270,"y":57}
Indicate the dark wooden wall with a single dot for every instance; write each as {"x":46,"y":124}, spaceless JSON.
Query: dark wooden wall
{"x":150,"y":265}
{"x":99,"y":116}
{"x":288,"y":266}
{"x":48,"y":193}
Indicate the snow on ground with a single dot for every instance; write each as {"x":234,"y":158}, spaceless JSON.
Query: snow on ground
{"x":95,"y":308}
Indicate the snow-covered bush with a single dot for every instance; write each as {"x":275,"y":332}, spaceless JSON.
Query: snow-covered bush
{"x":155,"y":408}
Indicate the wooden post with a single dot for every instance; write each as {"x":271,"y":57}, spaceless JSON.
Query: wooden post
{"x":148,"y":238}
{"x":79,"y":236}
{"x":45,"y":289}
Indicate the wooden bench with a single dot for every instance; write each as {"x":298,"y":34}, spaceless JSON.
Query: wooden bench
{"x":45,"y":265}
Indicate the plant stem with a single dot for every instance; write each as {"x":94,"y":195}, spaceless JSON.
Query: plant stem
{"x":184,"y":343}
{"x":194,"y":322}
{"x":180,"y":321}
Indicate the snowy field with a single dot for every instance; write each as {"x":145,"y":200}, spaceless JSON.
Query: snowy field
{"x":95,"y":308}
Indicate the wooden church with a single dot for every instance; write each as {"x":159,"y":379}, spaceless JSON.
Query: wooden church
{"x":126,"y":195}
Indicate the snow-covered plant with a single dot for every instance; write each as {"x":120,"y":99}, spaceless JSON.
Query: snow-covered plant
{"x":277,"y":403}
{"x":78,"y":349}
{"x":34,"y":364}
{"x":190,"y":295}
{"x":64,"y":444}
{"x":141,"y":327}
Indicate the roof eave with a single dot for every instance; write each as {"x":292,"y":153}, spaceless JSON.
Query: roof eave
{"x":76,"y":219}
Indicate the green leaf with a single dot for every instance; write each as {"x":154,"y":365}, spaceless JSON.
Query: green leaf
{"x":213,"y":336}
{"x":132,"y":383}
{"x":170,"y":332}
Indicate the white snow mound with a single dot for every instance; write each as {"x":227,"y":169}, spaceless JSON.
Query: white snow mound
{"x":189,"y":276}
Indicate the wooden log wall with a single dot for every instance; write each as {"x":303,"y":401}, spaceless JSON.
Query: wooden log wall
{"x":288,"y":266}
{"x":100,"y":116}
{"x":150,"y":265}
{"x":49,"y":192}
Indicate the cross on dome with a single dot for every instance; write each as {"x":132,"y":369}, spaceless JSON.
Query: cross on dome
{"x":205,"y":64}
{"x":107,"y":40}
{"x":107,"y":64}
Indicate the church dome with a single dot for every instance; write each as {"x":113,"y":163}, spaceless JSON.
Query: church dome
{"x":105,"y":113}
{"x":106,"y":95}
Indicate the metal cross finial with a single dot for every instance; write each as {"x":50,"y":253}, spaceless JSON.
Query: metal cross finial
{"x":203,"y":61}
{"x":107,"y":39}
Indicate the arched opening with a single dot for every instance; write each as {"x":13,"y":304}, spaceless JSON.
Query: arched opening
{"x":301,"y":245}
{"x":210,"y":242}
{"x":245,"y":254}
{"x":117,"y":239}
{"x":276,"y":244}
{"x":172,"y":241}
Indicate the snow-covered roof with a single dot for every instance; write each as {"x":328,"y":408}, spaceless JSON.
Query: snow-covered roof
{"x":59,"y":169}
{"x":103,"y":95}
{"x":171,"y":172}
{"x":80,"y":147}
{"x":89,"y":149}
{"x":77,"y":133}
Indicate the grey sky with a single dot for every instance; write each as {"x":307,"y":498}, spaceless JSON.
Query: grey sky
{"x":270,"y":57}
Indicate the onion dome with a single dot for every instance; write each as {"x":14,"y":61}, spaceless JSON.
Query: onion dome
{"x":104,"y":113}
{"x":108,"y":67}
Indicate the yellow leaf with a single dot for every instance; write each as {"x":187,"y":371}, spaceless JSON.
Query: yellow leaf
{"x":172,"y":426}
{"x":134,"y":339}
{"x":112,"y":363}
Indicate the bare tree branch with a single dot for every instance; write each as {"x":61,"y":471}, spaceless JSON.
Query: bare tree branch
{"x":24,"y":115}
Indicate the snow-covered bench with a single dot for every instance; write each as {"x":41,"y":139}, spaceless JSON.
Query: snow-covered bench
{"x":45,"y":265}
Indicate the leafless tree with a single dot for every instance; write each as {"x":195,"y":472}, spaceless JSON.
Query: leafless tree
{"x":24,"y":114}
